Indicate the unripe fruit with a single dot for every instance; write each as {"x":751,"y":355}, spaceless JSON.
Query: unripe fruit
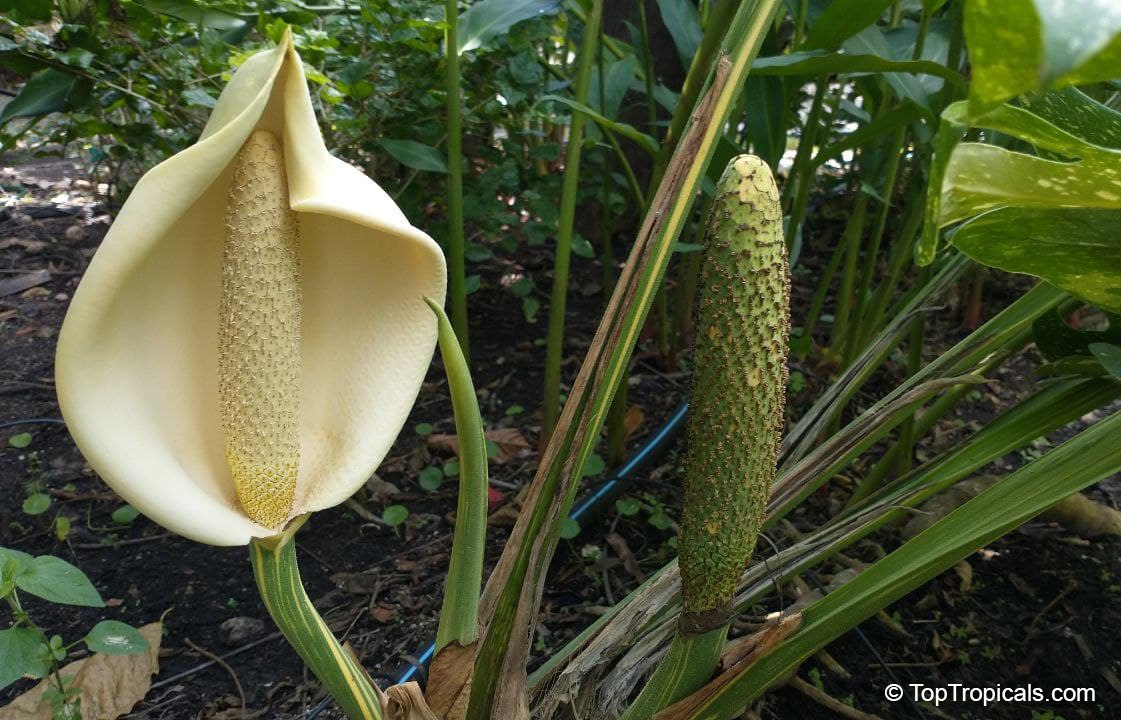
{"x":259,"y":333}
{"x":739,"y":388}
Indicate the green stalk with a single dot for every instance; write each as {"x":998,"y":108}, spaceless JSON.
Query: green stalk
{"x":278,"y":580}
{"x":554,"y":344}
{"x":823,"y":283}
{"x":459,"y":615}
{"x":804,"y":168}
{"x":906,"y":446}
{"x":897,"y":259}
{"x":457,"y":265}
{"x":688,"y":664}
{"x":854,"y":232}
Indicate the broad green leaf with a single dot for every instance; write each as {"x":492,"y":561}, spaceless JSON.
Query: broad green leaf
{"x":617,"y":79}
{"x":646,"y":142}
{"x":431,"y":478}
{"x":871,"y":41}
{"x":684,"y":24}
{"x":198,"y":13}
{"x":1018,"y":497}
{"x":818,"y":62}
{"x":21,"y":654}
{"x":1078,"y":114}
{"x":418,"y":156}
{"x":841,"y":20}
{"x":766,"y":109}
{"x":1077,"y":250}
{"x":46,"y":92}
{"x":487,"y":19}
{"x":1017,"y":46}
{"x":54,"y":579}
{"x":114,"y":637}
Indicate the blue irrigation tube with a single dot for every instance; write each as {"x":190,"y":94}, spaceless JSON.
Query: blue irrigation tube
{"x":652,"y":448}
{"x":594,"y":499}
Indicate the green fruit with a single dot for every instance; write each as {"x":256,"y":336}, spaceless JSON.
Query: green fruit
{"x":739,"y":381}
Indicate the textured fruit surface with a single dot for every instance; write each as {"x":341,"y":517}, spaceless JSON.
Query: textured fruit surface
{"x":739,"y":384}
{"x":259,"y":333}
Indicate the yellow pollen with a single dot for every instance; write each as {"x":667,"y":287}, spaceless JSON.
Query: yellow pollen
{"x":259,"y":333}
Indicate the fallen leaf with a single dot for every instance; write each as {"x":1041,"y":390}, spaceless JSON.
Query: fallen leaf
{"x":110,"y":685}
{"x":19,"y":283}
{"x":511,"y":444}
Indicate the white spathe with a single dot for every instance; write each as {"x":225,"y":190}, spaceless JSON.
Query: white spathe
{"x":137,"y":362}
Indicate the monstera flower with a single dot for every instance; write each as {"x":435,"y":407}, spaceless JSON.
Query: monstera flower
{"x":249,"y":338}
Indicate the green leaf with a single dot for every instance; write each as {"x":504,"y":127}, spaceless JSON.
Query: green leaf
{"x":114,"y":637}
{"x":646,"y":142}
{"x":62,"y":528}
{"x":418,"y":156}
{"x":431,"y":478}
{"x":197,"y":13}
{"x":617,"y":79}
{"x":627,"y":506}
{"x":1017,"y":46}
{"x":766,"y":109}
{"x":197,"y":97}
{"x":394,"y":515}
{"x":125,"y":515}
{"x":841,"y":20}
{"x":581,"y":247}
{"x":594,"y":466}
{"x":1074,"y":249}
{"x":58,"y":581}
{"x":423,"y":429}
{"x":1078,"y":114}
{"x":21,"y":654}
{"x":486,"y":20}
{"x":1109,"y":356}
{"x":36,"y":504}
{"x":569,"y":529}
{"x":46,"y":92}
{"x":20,"y":441}
{"x":817,"y":62}
{"x":684,"y":24}
{"x":871,"y":41}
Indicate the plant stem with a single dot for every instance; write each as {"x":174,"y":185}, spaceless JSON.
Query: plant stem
{"x":554,"y":345}
{"x":278,"y":580}
{"x":803,"y":171}
{"x":854,"y":232}
{"x":459,"y":614}
{"x":687,"y":666}
{"x":457,"y":266}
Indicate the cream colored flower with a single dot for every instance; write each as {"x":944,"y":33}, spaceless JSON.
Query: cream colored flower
{"x":139,"y":355}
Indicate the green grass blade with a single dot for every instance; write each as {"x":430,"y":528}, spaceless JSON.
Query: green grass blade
{"x":278,"y":580}
{"x":459,"y":615}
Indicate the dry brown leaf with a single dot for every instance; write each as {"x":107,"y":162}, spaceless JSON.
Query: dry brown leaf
{"x":406,"y":702}
{"x":450,"y":679}
{"x":510,"y":441}
{"x":633,"y":420}
{"x":110,"y":684}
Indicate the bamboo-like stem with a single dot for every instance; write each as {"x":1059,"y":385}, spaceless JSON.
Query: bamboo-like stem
{"x":554,"y":344}
{"x":854,"y":232}
{"x":803,"y":171}
{"x":278,"y":580}
{"x":457,"y":265}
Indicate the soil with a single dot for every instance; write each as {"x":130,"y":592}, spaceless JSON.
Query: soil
{"x":1034,"y":607}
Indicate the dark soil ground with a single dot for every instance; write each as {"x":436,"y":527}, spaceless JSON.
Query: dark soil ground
{"x":1037,"y":607}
